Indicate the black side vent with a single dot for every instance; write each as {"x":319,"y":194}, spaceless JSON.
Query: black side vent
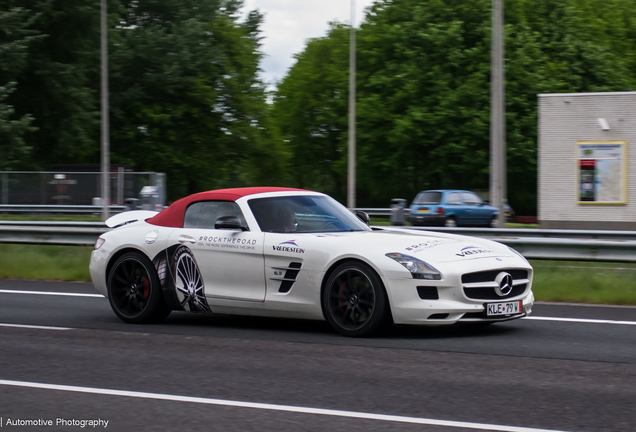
{"x":289,"y":278}
{"x":427,"y":293}
{"x":438,"y":316}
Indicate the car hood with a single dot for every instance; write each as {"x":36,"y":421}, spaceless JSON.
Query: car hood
{"x":433,"y":247}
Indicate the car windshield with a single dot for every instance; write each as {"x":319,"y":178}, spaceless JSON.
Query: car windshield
{"x":428,"y":198}
{"x":304,"y":214}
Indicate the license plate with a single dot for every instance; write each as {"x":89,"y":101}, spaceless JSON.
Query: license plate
{"x":422,"y":211}
{"x":502,"y":309}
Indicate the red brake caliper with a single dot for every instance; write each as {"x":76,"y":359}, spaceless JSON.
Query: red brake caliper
{"x":146,"y":288}
{"x":341,"y":299}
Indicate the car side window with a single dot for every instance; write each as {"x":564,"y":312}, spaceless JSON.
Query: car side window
{"x":203,"y":214}
{"x":454,"y":199}
{"x":472,"y":199}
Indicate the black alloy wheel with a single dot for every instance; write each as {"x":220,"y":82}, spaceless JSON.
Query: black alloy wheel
{"x":134,"y":290}
{"x":354,"y":300}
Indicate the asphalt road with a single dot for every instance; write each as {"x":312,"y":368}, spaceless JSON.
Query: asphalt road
{"x":67,"y":358}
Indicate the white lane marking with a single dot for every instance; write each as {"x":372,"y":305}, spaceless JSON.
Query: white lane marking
{"x":34,"y":327}
{"x":51,"y":293}
{"x":274,"y":407}
{"x":580,"y":320}
{"x":538,"y":318}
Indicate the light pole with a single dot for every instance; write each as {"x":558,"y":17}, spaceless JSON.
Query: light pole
{"x":497,"y":114}
{"x":351,"y":183}
{"x":105,"y":147}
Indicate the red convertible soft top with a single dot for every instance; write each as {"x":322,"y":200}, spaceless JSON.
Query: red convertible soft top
{"x":173,"y":215}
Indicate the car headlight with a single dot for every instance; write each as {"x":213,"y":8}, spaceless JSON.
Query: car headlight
{"x":418,"y":268}
{"x":518,"y":253}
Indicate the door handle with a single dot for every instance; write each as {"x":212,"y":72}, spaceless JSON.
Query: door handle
{"x":186,"y":239}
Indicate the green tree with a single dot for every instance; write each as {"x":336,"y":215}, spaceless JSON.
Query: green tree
{"x":15,"y":36}
{"x":59,"y":86}
{"x":186,"y":97}
{"x":423,"y":92}
{"x":310,"y":110}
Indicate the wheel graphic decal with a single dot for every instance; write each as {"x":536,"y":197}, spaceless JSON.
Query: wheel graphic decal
{"x":188,"y":282}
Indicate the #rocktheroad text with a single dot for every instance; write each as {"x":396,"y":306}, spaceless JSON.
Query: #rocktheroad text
{"x":81,"y":423}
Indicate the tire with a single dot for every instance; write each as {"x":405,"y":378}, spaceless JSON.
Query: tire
{"x":188,"y":282}
{"x":134,"y":290}
{"x":354,"y":300}
{"x":450,"y":222}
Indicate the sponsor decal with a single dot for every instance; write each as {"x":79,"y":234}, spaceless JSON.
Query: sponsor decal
{"x":428,"y":244}
{"x":474,"y":250}
{"x":281,"y":247}
{"x":152,"y":236}
{"x":227,"y":242}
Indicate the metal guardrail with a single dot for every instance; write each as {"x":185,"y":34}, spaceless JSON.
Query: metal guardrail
{"x":56,"y":209}
{"x":51,"y":235}
{"x":617,"y":246}
{"x":532,"y":232}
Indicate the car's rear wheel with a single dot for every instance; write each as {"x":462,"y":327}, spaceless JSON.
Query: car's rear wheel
{"x":354,"y":300}
{"x":450,"y":222}
{"x":134,"y":290}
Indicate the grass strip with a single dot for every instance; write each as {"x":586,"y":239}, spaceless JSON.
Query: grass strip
{"x":554,"y":281}
{"x":584,"y":282}
{"x":45,"y":262}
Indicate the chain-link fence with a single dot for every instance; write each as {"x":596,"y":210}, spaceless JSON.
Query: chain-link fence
{"x":75,"y":188}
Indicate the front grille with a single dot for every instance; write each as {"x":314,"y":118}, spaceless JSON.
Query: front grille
{"x":482,"y":285}
{"x":490,"y":294}
{"x":490,"y":275}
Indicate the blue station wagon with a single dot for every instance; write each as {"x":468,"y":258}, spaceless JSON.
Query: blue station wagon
{"x":452,"y":208}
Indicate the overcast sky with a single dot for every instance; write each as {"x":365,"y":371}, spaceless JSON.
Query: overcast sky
{"x":289,"y":23}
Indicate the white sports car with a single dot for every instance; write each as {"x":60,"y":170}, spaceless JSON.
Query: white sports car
{"x":295,"y":253}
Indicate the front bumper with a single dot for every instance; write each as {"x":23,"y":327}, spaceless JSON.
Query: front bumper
{"x":97,"y":269}
{"x":451,"y":307}
{"x":427,"y":219}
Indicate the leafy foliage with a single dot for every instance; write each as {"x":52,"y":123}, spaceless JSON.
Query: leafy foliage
{"x":15,"y":37}
{"x":423,"y":92}
{"x":310,"y":110}
{"x":186,"y":98}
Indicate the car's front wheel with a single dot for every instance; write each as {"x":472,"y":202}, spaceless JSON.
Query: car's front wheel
{"x":354,"y":300}
{"x":134,"y":290}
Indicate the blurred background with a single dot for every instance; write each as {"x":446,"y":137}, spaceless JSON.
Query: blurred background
{"x":195,"y":93}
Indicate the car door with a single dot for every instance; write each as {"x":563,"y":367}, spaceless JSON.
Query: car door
{"x":284,"y":257}
{"x":455,"y":207}
{"x":479,"y":213}
{"x":229,"y":262}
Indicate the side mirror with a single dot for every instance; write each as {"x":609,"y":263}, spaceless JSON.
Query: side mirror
{"x":229,"y":222}
{"x":363,"y":216}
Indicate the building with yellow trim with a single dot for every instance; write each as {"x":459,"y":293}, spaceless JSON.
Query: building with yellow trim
{"x":586,"y":168}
